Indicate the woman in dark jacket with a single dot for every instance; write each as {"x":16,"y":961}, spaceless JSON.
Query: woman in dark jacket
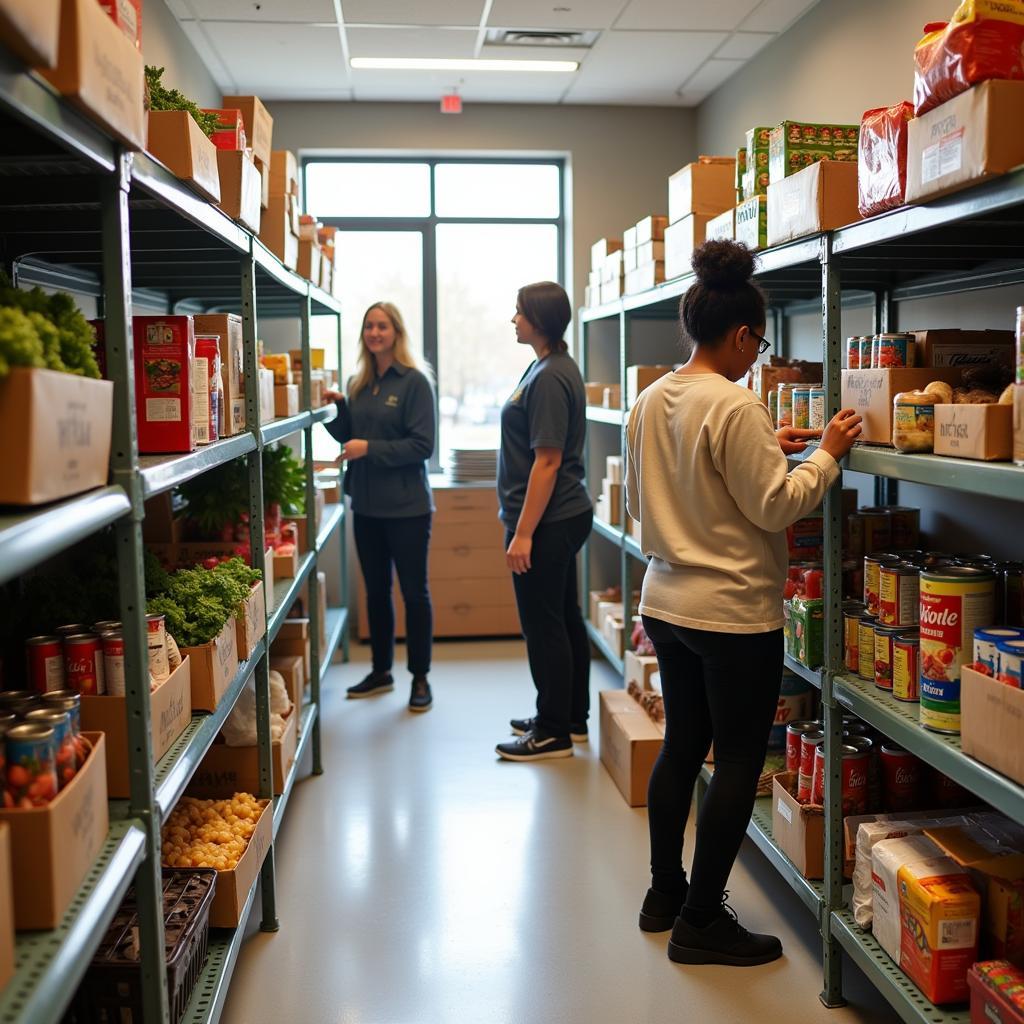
{"x":387,"y":429}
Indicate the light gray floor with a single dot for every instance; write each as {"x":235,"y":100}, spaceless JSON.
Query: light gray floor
{"x":420,"y":880}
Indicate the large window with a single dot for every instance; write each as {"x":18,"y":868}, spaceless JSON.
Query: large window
{"x":449,"y":242}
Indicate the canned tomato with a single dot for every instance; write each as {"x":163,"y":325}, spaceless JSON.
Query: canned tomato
{"x":31,"y":771}
{"x":853,"y":353}
{"x":794,"y":705}
{"x":809,"y":742}
{"x":986,"y":643}
{"x":64,"y":748}
{"x":44,"y":663}
{"x":873,"y":578}
{"x":786,"y":404}
{"x":852,"y":611}
{"x":157,"y":642}
{"x":18,"y":702}
{"x":1011,"y":663}
{"x":866,"y":646}
{"x":877,"y":529}
{"x":954,"y":603}
{"x":906,"y":679}
{"x":866,"y":343}
{"x":66,"y":700}
{"x":904,"y":527}
{"x":794,"y":731}
{"x":884,"y":636}
{"x":113,"y":662}
{"x":895,"y":350}
{"x":83,"y":664}
{"x":901,"y":779}
{"x":802,"y":406}
{"x":817,"y":408}
{"x":898,"y":594}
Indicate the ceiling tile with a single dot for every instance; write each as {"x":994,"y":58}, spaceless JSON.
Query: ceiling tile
{"x":572,"y":14}
{"x":711,"y":75}
{"x":744,"y":45}
{"x":777,"y":15}
{"x":411,"y":42}
{"x":576,"y":53}
{"x":413,"y":12}
{"x":685,"y":15}
{"x":254,"y":12}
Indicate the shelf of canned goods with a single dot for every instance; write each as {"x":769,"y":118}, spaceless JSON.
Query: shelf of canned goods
{"x":100,"y":215}
{"x":960,"y":243}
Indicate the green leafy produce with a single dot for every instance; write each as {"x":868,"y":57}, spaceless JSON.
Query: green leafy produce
{"x":162,"y":98}
{"x":20,"y":344}
{"x":284,"y":480}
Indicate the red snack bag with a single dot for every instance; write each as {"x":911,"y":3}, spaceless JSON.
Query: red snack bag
{"x":882,"y":158}
{"x":984,"y":40}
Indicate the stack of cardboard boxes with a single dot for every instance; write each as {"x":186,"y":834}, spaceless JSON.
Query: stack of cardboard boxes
{"x":607,"y":396}
{"x":241,"y":183}
{"x":607,"y":271}
{"x":609,"y":507}
{"x":279,"y":230}
{"x":286,"y":391}
{"x":697,"y":194}
{"x":644,"y":253}
{"x":259,"y":135}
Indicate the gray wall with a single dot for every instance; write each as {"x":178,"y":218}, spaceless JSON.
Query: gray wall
{"x":165,"y":45}
{"x":620,"y":157}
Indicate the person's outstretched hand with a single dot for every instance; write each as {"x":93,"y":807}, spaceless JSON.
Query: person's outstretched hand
{"x":793,"y":440}
{"x":841,"y":431}
{"x":333,"y":396}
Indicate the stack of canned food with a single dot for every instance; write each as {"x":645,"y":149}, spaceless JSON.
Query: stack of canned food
{"x":41,"y":745}
{"x":798,"y":405}
{"x":880,"y":351}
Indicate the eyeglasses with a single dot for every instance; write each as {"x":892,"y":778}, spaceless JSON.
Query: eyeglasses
{"x":763,"y":344}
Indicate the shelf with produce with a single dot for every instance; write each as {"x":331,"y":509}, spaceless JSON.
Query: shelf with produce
{"x":286,"y":425}
{"x":162,"y":472}
{"x":902,"y":994}
{"x":31,"y":536}
{"x":285,"y":593}
{"x":899,"y":721}
{"x":598,"y":640}
{"x":50,"y":964}
{"x":337,"y":619}
{"x":598,"y":414}
{"x":332,"y":518}
{"x":609,"y":532}
{"x":810,"y":675}
{"x":308,"y":717}
{"x":633,"y":548}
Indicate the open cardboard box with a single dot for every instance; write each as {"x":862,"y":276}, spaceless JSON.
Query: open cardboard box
{"x":974,"y":431}
{"x":170,"y":711}
{"x":630,"y":744}
{"x":818,"y":198}
{"x":639,"y":668}
{"x":293,"y":670}
{"x":30,"y":29}
{"x":293,"y":639}
{"x":233,"y":886}
{"x":992,"y":723}
{"x":100,"y":71}
{"x":871,"y":392}
{"x":259,"y":126}
{"x":799,"y":829}
{"x":214,"y":666}
{"x":251,"y":620}
{"x":227,"y":769}
{"x":56,"y":429}
{"x":181,"y":145}
{"x":6,"y":907}
{"x":240,"y":188}
{"x":53,"y":848}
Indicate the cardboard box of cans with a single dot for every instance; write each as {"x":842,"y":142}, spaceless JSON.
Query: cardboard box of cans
{"x":794,"y":145}
{"x":871,"y":394}
{"x":6,"y":907}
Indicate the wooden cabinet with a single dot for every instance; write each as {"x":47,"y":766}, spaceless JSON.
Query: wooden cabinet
{"x":470,"y":585}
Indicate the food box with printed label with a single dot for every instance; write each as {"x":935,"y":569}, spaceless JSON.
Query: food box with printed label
{"x":751,"y":218}
{"x":30,"y":29}
{"x":165,"y":350}
{"x":228,"y":327}
{"x":754,"y":178}
{"x":214,"y":666}
{"x":127,"y":16}
{"x":794,"y":145}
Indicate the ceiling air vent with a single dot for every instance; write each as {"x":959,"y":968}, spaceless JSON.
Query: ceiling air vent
{"x":540,"y":37}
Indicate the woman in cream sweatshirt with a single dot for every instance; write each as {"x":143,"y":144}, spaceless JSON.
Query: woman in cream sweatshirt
{"x":708,"y":481}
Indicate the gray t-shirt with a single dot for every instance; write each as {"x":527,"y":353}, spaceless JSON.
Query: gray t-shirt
{"x":546,"y":410}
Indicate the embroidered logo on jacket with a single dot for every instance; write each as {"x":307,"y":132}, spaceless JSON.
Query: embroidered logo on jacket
{"x":391,"y":401}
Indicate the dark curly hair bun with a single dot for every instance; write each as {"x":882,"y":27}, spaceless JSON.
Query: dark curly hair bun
{"x":723,"y":265}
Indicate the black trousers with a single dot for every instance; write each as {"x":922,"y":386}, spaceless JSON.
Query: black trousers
{"x":385,"y":545}
{"x":722,"y":687}
{"x":557,"y":645}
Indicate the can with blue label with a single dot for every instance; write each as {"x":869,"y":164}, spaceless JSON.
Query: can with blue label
{"x":1011,"y":663}
{"x":986,"y":644}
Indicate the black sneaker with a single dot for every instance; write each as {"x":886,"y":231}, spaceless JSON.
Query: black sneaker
{"x":374,"y":683}
{"x":421,"y":698}
{"x":521,"y":726}
{"x":660,"y":910}
{"x":535,"y":746}
{"x":723,"y":941}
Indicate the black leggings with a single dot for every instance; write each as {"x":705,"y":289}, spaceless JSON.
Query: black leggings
{"x":722,"y":687}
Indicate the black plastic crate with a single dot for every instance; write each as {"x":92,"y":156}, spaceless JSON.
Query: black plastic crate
{"x":111,"y":991}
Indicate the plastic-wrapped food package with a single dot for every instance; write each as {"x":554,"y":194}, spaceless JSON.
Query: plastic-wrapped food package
{"x":984,"y":39}
{"x":887,"y":858}
{"x":882,"y":158}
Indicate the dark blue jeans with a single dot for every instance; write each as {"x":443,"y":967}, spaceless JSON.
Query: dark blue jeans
{"x":386,"y":545}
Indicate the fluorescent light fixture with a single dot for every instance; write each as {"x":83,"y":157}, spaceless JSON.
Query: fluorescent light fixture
{"x":458,"y":64}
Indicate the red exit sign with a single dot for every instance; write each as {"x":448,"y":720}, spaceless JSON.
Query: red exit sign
{"x":451,"y":104}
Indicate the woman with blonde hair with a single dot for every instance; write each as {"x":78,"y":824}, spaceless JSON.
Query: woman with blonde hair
{"x":387,"y":428}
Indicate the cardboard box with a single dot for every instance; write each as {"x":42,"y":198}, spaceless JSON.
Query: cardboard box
{"x":630,"y":744}
{"x":595,"y":393}
{"x":974,"y":431}
{"x":309,"y":260}
{"x":170,"y":711}
{"x":960,"y":349}
{"x":992,"y":723}
{"x":765,"y":377}
{"x":165,"y":350}
{"x":629,"y":261}
{"x":611,"y":290}
{"x":639,"y":668}
{"x":1002,"y":893}
{"x":284,"y":174}
{"x":251,"y":621}
{"x":818,"y":198}
{"x":240,"y":188}
{"x":276,"y":231}
{"x":286,"y":399}
{"x":629,"y":239}
{"x":612,"y":397}
{"x":181,"y":145}
{"x":100,"y":71}
{"x":793,"y":146}
{"x":601,"y":249}
{"x":53,"y":848}
{"x":233,"y":886}
{"x":56,"y":429}
{"x":650,"y":252}
{"x":228,"y":327}
{"x":681,"y":238}
{"x":799,"y":829}
{"x":259,"y":125}
{"x":614,"y":631}
{"x":292,"y":670}
{"x":293,"y":639}
{"x":751,"y":218}
{"x":640,"y":377}
{"x":612,"y":494}
{"x":227,"y":769}
{"x":644,"y":277}
{"x":30,"y":29}
{"x":127,"y":15}
{"x":286,"y":567}
{"x":230,"y":133}
{"x":970,"y":138}
{"x":266,"y":387}
{"x":6,"y":907}
{"x":613,"y":468}
{"x":264,"y":169}
{"x":705,"y":187}
{"x":214,"y":667}
{"x":721,"y":227}
{"x":651,"y":229}
{"x":870,"y":393}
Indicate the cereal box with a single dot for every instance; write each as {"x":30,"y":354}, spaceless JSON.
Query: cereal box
{"x":165,"y":349}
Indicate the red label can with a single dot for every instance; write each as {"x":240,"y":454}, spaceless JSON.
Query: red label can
{"x":794,"y":732}
{"x":45,"y":663}
{"x":809,"y":741}
{"x":855,"y":772}
{"x":901,"y":779}
{"x":906,"y":683}
{"x":83,"y":664}
{"x":113,"y":662}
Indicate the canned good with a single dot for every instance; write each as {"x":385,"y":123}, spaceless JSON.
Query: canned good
{"x":809,"y":742}
{"x":113,"y":662}
{"x":906,"y":679}
{"x":30,"y":769}
{"x":877,"y":529}
{"x":64,"y":748}
{"x":954,"y":603}
{"x":895,"y":350}
{"x":817,"y":408}
{"x":1011,"y":663}
{"x":802,"y":406}
{"x":794,"y":731}
{"x":853,"y":353}
{"x":44,"y":663}
{"x":856,"y":764}
{"x":986,"y":643}
{"x":866,"y":343}
{"x":83,"y":664}
{"x":74,"y":629}
{"x":901,"y":779}
{"x":106,"y":626}
{"x":904,"y":527}
{"x":873,"y":365}
{"x":945,"y":793}
{"x":852,"y":611}
{"x":66,"y":700}
{"x":884,"y":636}
{"x":866,"y":646}
{"x":786,"y":404}
{"x":913,"y":421}
{"x":873,"y":578}
{"x":773,"y":406}
{"x":795,"y":696}
{"x":18,"y":702}
{"x":157,"y":642}
{"x":898,"y":594}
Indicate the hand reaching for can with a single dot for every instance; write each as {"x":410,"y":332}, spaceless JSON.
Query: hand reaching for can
{"x":841,"y":431}
{"x":793,"y":440}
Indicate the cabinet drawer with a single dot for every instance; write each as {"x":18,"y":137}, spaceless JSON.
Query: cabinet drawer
{"x":463,"y":562}
{"x":444,"y":534}
{"x":466,"y":503}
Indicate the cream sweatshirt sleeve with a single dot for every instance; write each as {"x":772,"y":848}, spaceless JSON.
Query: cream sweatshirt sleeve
{"x":755,"y":471}
{"x":632,"y":488}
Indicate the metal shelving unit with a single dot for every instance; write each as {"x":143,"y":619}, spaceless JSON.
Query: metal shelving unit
{"x":121,"y":227}
{"x":308,"y":715}
{"x":967,"y":241}
{"x":810,"y":675}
